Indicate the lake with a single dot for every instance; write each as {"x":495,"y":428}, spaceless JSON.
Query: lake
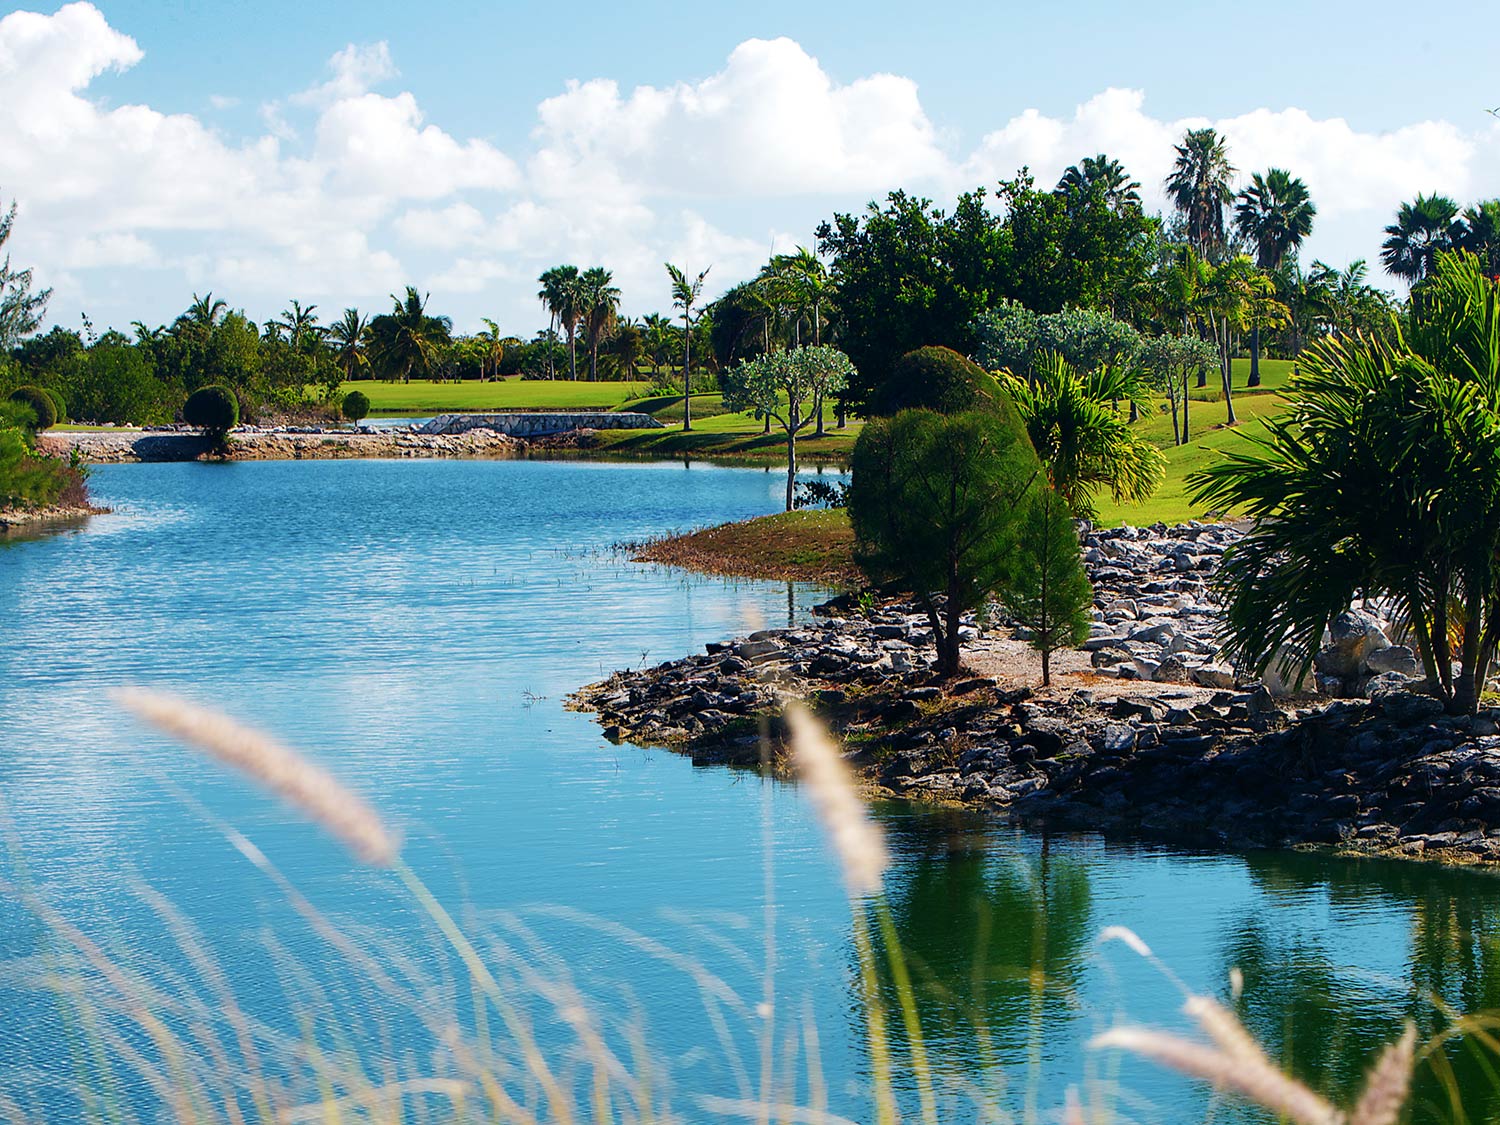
{"x":415,"y":626}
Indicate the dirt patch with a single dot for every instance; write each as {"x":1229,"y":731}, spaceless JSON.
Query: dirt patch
{"x":814,"y":545}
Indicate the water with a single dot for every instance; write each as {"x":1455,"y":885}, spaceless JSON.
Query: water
{"x":416,"y":626}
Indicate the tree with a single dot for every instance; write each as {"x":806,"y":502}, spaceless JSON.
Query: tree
{"x":1167,"y":362}
{"x":406,"y":340}
{"x":1236,"y":296}
{"x":685,"y":295}
{"x":1275,"y":213}
{"x":21,"y":310}
{"x":1102,"y":176}
{"x":937,"y":503}
{"x":1012,"y":337}
{"x":1423,"y":229}
{"x":1199,"y":187}
{"x":1479,"y":234}
{"x":494,"y":349}
{"x":660,"y":340}
{"x":598,"y":303}
{"x":1382,"y":481}
{"x":1048,"y":593}
{"x":1074,"y":424}
{"x":301,"y":326}
{"x":939,"y":379}
{"x":350,"y":335}
{"x":788,"y":386}
{"x":560,"y":293}
{"x":215,"y":410}
{"x":355,"y":407}
{"x":624,"y":348}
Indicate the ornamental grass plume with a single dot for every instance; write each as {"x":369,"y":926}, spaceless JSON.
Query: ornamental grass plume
{"x":860,"y":847}
{"x":283,"y":771}
{"x":1236,"y":1061}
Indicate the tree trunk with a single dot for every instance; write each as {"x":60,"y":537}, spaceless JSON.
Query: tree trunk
{"x":791,"y":458}
{"x":687,"y":373}
{"x":952,"y":645}
{"x":1467,"y":690}
{"x":1254,"y":380}
{"x":1225,"y":371}
{"x":1185,"y":406}
{"x":573,"y":354}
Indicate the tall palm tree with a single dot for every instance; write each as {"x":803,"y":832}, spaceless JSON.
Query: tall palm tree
{"x":560,"y":293}
{"x":301,"y":325}
{"x":494,"y":345}
{"x":598,"y":302}
{"x":349,"y":335}
{"x":1275,"y":213}
{"x":1103,"y":175}
{"x":202,"y":316}
{"x":1199,"y":187}
{"x":1422,"y":228}
{"x":1480,"y":234}
{"x":685,"y":295}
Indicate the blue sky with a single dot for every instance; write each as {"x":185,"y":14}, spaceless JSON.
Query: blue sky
{"x":334,"y":151}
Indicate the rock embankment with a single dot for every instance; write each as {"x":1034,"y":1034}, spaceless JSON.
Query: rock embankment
{"x":103,"y":447}
{"x":1212,"y":760}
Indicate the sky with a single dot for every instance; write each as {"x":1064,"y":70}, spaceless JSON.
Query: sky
{"x":335,"y":152}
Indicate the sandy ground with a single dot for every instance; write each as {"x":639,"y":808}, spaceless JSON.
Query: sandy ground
{"x":1012,"y":664}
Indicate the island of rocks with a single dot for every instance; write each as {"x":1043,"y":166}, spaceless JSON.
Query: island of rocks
{"x":1144,"y":733}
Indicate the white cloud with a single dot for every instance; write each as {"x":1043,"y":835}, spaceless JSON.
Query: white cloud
{"x":352,"y":191}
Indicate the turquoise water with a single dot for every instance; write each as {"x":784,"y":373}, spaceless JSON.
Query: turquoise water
{"x":416,"y":625}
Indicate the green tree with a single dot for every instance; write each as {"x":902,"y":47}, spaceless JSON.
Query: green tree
{"x":1382,"y":481}
{"x":1074,"y":423}
{"x":1275,"y":213}
{"x":1048,"y":593}
{"x":1012,"y":337}
{"x":788,"y":387}
{"x":939,"y":379}
{"x":350,"y":335}
{"x":1199,"y":188}
{"x":407,"y":341}
{"x":599,"y":303}
{"x":1237,"y":296}
{"x":1102,"y":176}
{"x":625,"y":348}
{"x":494,"y":349}
{"x":355,"y":407}
{"x":937,"y":503}
{"x":685,"y":295}
{"x":561,"y":294}
{"x":1479,"y":234}
{"x":1167,"y":362}
{"x":21,"y":308}
{"x":1423,"y":229}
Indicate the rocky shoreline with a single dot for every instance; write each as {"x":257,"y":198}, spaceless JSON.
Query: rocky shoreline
{"x":1200,"y":756}
{"x":24,"y":519}
{"x":249,"y":444}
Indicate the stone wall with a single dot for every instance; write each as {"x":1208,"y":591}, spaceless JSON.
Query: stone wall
{"x":540,"y":423}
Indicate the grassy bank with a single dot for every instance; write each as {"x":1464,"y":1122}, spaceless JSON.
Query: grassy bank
{"x":814,"y":545}
{"x":421,"y":397}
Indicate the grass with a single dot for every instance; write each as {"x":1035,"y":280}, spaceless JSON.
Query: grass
{"x":812,"y":545}
{"x":422,"y":397}
{"x":732,"y":437}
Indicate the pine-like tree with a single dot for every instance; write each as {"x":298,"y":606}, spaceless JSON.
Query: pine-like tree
{"x":1048,"y":593}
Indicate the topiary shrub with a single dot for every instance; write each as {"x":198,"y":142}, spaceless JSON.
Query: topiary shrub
{"x":356,"y":406}
{"x":58,"y":403}
{"x":40,"y":403}
{"x":937,"y":378}
{"x":214,"y":409}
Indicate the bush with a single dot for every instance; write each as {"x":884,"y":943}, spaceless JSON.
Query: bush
{"x":356,"y":406}
{"x":41,"y":405}
{"x":213,"y":409}
{"x":58,"y":403}
{"x":942,"y":380}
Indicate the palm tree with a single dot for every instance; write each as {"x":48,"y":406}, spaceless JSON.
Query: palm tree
{"x":494,"y":345}
{"x":1480,"y":234}
{"x":349,"y":336}
{"x":1238,"y":296}
{"x":202,"y":316}
{"x":1422,"y":228}
{"x":1105,"y":176}
{"x":685,"y":295}
{"x":560,"y":294}
{"x":301,"y":325}
{"x":1275,"y":213}
{"x":598,"y":302}
{"x":406,"y":339}
{"x":660,"y":339}
{"x":1076,"y":427}
{"x":1199,"y":187}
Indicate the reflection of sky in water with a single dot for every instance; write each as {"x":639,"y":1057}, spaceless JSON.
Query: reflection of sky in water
{"x":416,"y":625}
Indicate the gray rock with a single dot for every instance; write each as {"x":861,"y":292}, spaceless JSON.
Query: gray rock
{"x":1393,"y":658}
{"x":1353,"y":637}
{"x":1219,"y":676}
{"x":1119,"y":738}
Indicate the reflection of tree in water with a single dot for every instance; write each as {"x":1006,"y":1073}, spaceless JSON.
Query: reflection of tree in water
{"x":995,"y":939}
{"x":1326,"y":1022}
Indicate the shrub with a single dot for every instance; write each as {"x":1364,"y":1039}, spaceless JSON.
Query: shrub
{"x":58,"y":403}
{"x":40,"y":403}
{"x":213,"y":409}
{"x":940,"y":379}
{"x":356,"y":406}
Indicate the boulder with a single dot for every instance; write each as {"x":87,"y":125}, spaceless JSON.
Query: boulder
{"x":1219,"y":676}
{"x":1353,"y":637}
{"x":1393,"y":658}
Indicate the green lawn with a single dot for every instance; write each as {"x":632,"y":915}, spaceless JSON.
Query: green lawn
{"x":421,"y":398}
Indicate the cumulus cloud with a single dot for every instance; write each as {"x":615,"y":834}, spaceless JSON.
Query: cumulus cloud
{"x":352,"y":192}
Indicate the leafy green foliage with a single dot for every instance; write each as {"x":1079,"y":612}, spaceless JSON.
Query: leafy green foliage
{"x":937,"y":503}
{"x":1012,"y":337}
{"x":58,"y":405}
{"x":27,"y":480}
{"x":937,"y":378}
{"x":1383,"y":481}
{"x":406,"y":341}
{"x":214,"y":409}
{"x":356,"y":406}
{"x":1048,"y":592}
{"x":43,"y":409}
{"x":1074,"y":422}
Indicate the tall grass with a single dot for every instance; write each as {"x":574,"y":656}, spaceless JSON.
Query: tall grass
{"x":497,"y":1030}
